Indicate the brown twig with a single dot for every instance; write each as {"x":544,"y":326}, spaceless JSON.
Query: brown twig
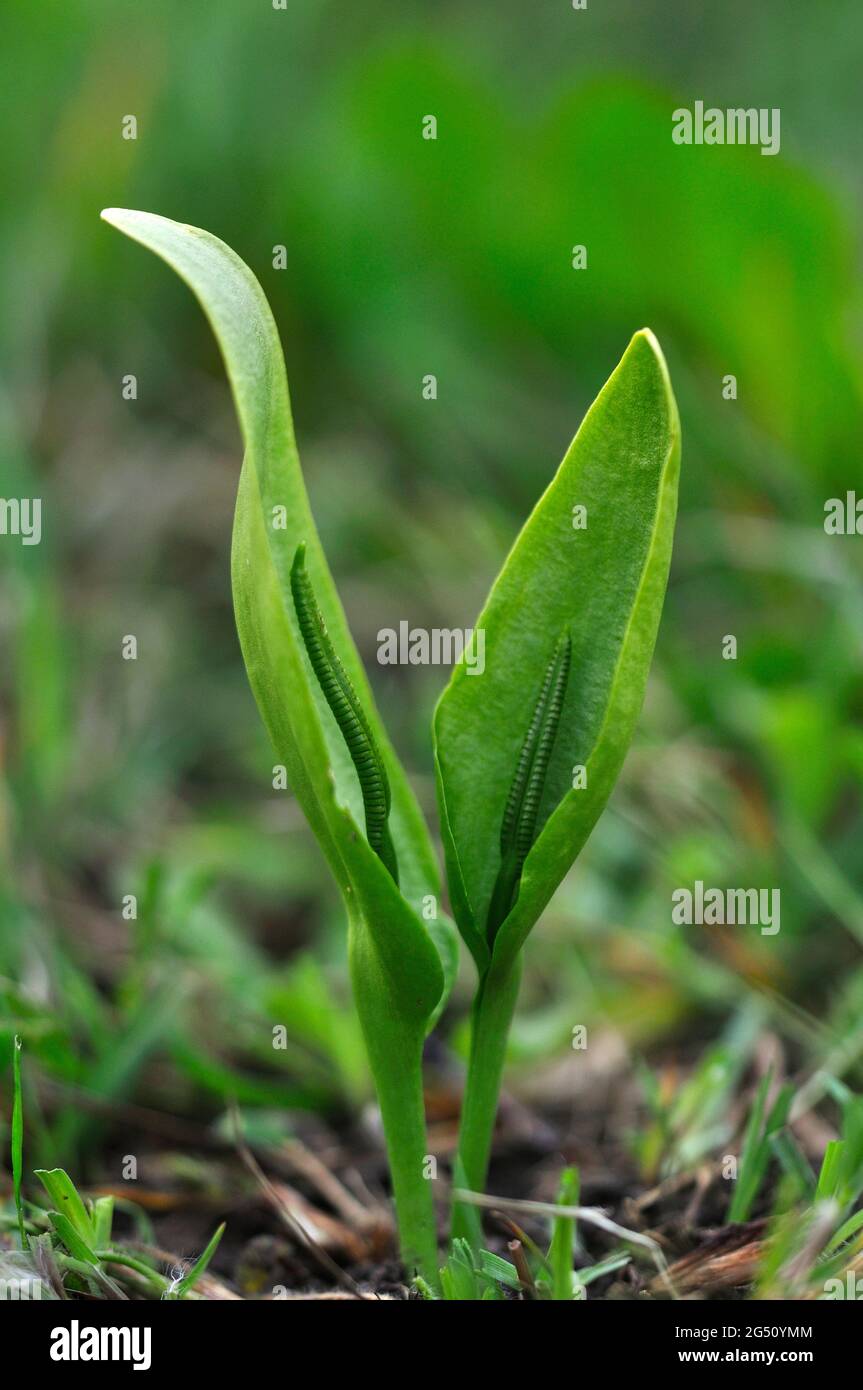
{"x":289,"y":1221}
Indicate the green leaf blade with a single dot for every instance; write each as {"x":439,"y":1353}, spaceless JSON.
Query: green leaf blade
{"x":72,"y":1239}
{"x":272,"y":519}
{"x":604,"y":585}
{"x":67,"y":1201}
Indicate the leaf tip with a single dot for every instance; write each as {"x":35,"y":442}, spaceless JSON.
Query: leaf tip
{"x":133,"y":222}
{"x":124,"y":220}
{"x":646,"y":341}
{"x":647,"y":338}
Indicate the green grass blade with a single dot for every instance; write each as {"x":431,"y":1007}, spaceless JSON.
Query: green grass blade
{"x":848,"y":1229}
{"x":757,"y":1148}
{"x":18,"y":1137}
{"x":103,"y":1220}
{"x":78,"y":1247}
{"x":744,"y":1190}
{"x":502,"y":1271}
{"x":794,"y":1162}
{"x":610,"y":1265}
{"x":189,"y":1280}
{"x":67,"y":1201}
{"x":827,"y":1176}
{"x":458,"y":1278}
{"x":561,"y":1251}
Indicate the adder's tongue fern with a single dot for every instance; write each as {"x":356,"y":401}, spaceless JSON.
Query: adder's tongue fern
{"x":347,"y":710}
{"x":623,"y":467}
{"x":518,"y":828}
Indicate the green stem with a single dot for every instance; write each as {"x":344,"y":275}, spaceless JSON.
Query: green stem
{"x":400,"y":1096}
{"x":395,"y":1052}
{"x":157,"y":1281}
{"x":490,"y":1023}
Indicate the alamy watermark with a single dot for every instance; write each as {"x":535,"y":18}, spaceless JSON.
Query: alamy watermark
{"x":82,"y":1343}
{"x":734,"y":126}
{"x":843,"y":516}
{"x":851,"y":1287}
{"x":437,"y":646}
{"x":22,"y":517}
{"x":727,"y":907}
{"x":24,"y":1290}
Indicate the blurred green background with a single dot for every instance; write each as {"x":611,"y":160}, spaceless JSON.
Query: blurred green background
{"x":406,"y":257}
